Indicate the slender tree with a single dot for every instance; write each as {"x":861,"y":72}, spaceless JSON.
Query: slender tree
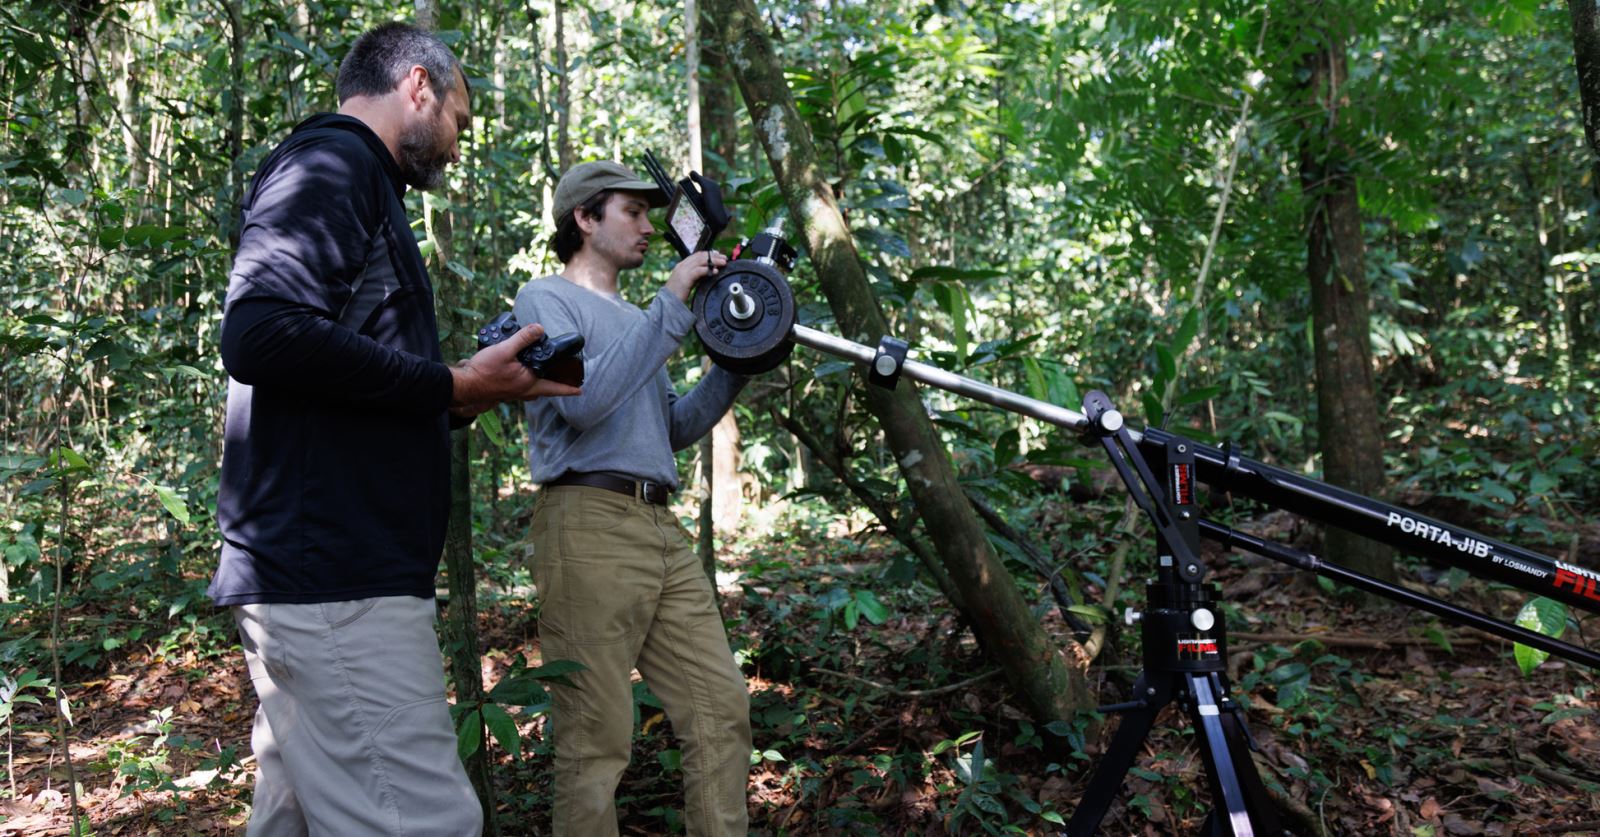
{"x":1583,"y":307}
{"x":1349,"y":428}
{"x":461,"y":643}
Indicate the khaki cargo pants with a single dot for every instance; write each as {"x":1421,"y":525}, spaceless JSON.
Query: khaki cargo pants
{"x":353,"y":736}
{"x":621,"y":589}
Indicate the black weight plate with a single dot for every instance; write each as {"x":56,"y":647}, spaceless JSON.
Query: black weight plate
{"x":756,"y":344}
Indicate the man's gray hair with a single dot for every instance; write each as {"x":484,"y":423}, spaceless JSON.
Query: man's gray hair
{"x":381,"y":57}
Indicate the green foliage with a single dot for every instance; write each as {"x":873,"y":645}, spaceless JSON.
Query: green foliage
{"x":522,"y":688}
{"x":1545,"y":616}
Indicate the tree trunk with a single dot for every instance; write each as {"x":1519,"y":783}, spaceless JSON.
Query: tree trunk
{"x":706,"y":540}
{"x":230,"y":212}
{"x":719,"y":128}
{"x":1348,"y":415}
{"x":564,"y":154}
{"x":460,"y":632}
{"x":1047,"y":687}
{"x":1583,"y":303}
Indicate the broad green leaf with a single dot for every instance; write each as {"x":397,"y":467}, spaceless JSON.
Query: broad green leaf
{"x":870,"y":607}
{"x":1499,"y":492}
{"x":1541,"y":483}
{"x":174,"y":504}
{"x":1186,"y":332}
{"x":1197,"y":396}
{"x":671,"y":760}
{"x":1152,"y":407}
{"x":71,"y":459}
{"x":469,"y":734}
{"x":1167,"y":365}
{"x":503,"y":728}
{"x":1006,"y":448}
{"x":1545,"y":616}
{"x":1089,"y":612}
{"x":489,"y":421}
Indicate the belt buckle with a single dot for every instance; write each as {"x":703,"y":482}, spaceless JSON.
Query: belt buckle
{"x":651,"y":492}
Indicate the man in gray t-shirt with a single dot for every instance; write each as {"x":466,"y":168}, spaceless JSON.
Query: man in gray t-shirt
{"x":620,"y":587}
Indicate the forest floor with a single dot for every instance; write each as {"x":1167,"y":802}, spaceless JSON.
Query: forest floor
{"x":1370,"y":720}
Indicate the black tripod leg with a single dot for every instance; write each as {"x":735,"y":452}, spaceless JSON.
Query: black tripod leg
{"x":1240,"y":805}
{"x":1107,"y":780}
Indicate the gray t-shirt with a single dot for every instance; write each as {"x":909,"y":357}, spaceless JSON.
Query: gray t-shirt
{"x":628,"y":420}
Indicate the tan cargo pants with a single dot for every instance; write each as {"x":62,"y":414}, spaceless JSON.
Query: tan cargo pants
{"x":621,"y":589}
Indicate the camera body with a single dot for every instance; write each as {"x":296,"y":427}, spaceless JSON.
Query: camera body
{"x":557,"y":358}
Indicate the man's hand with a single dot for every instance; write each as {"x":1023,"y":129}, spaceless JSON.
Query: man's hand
{"x":494,"y":375}
{"x":691,"y":270}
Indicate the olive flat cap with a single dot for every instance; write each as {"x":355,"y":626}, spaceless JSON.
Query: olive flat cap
{"x":585,"y":180}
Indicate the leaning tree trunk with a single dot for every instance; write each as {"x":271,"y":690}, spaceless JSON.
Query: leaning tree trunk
{"x":1048,"y":687}
{"x":1348,"y":426}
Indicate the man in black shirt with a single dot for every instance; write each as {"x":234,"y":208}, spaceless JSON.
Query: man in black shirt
{"x":334,"y":490}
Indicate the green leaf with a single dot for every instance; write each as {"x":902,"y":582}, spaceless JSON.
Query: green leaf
{"x":525,"y":688}
{"x":1283,"y":417}
{"x":469,"y":734}
{"x":1545,"y":616}
{"x":1499,"y":492}
{"x":670,"y":760}
{"x":1167,"y":364}
{"x":1541,"y":483}
{"x":1152,"y":407}
{"x":1006,"y":448}
{"x":1438,"y":637}
{"x":489,"y":421}
{"x":172,"y":503}
{"x":944,"y":273}
{"x":504,"y":729}
{"x":870,"y":607}
{"x":1089,"y":612}
{"x":1195,"y":396}
{"x":67,"y":459}
{"x":1186,"y":332}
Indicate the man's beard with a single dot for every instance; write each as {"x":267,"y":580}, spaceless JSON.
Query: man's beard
{"x":422,"y":163}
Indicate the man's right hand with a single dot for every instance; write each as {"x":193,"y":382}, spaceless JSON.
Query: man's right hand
{"x":693,"y":268}
{"x":494,"y":375}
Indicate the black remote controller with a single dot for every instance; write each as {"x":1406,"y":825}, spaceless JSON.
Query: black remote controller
{"x":557,"y":358}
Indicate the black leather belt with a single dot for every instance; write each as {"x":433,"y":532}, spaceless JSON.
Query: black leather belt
{"x":654,"y":493}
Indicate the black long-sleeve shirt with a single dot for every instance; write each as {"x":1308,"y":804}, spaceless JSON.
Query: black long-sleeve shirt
{"x":335,"y":455}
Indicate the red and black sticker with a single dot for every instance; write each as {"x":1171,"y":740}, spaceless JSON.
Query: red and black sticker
{"x":1197,"y":647}
{"x":1183,"y":484}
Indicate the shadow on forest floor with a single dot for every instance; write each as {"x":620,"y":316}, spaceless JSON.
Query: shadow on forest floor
{"x":1371,"y":719}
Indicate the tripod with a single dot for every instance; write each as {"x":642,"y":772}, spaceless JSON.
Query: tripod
{"x":1184,"y":650}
